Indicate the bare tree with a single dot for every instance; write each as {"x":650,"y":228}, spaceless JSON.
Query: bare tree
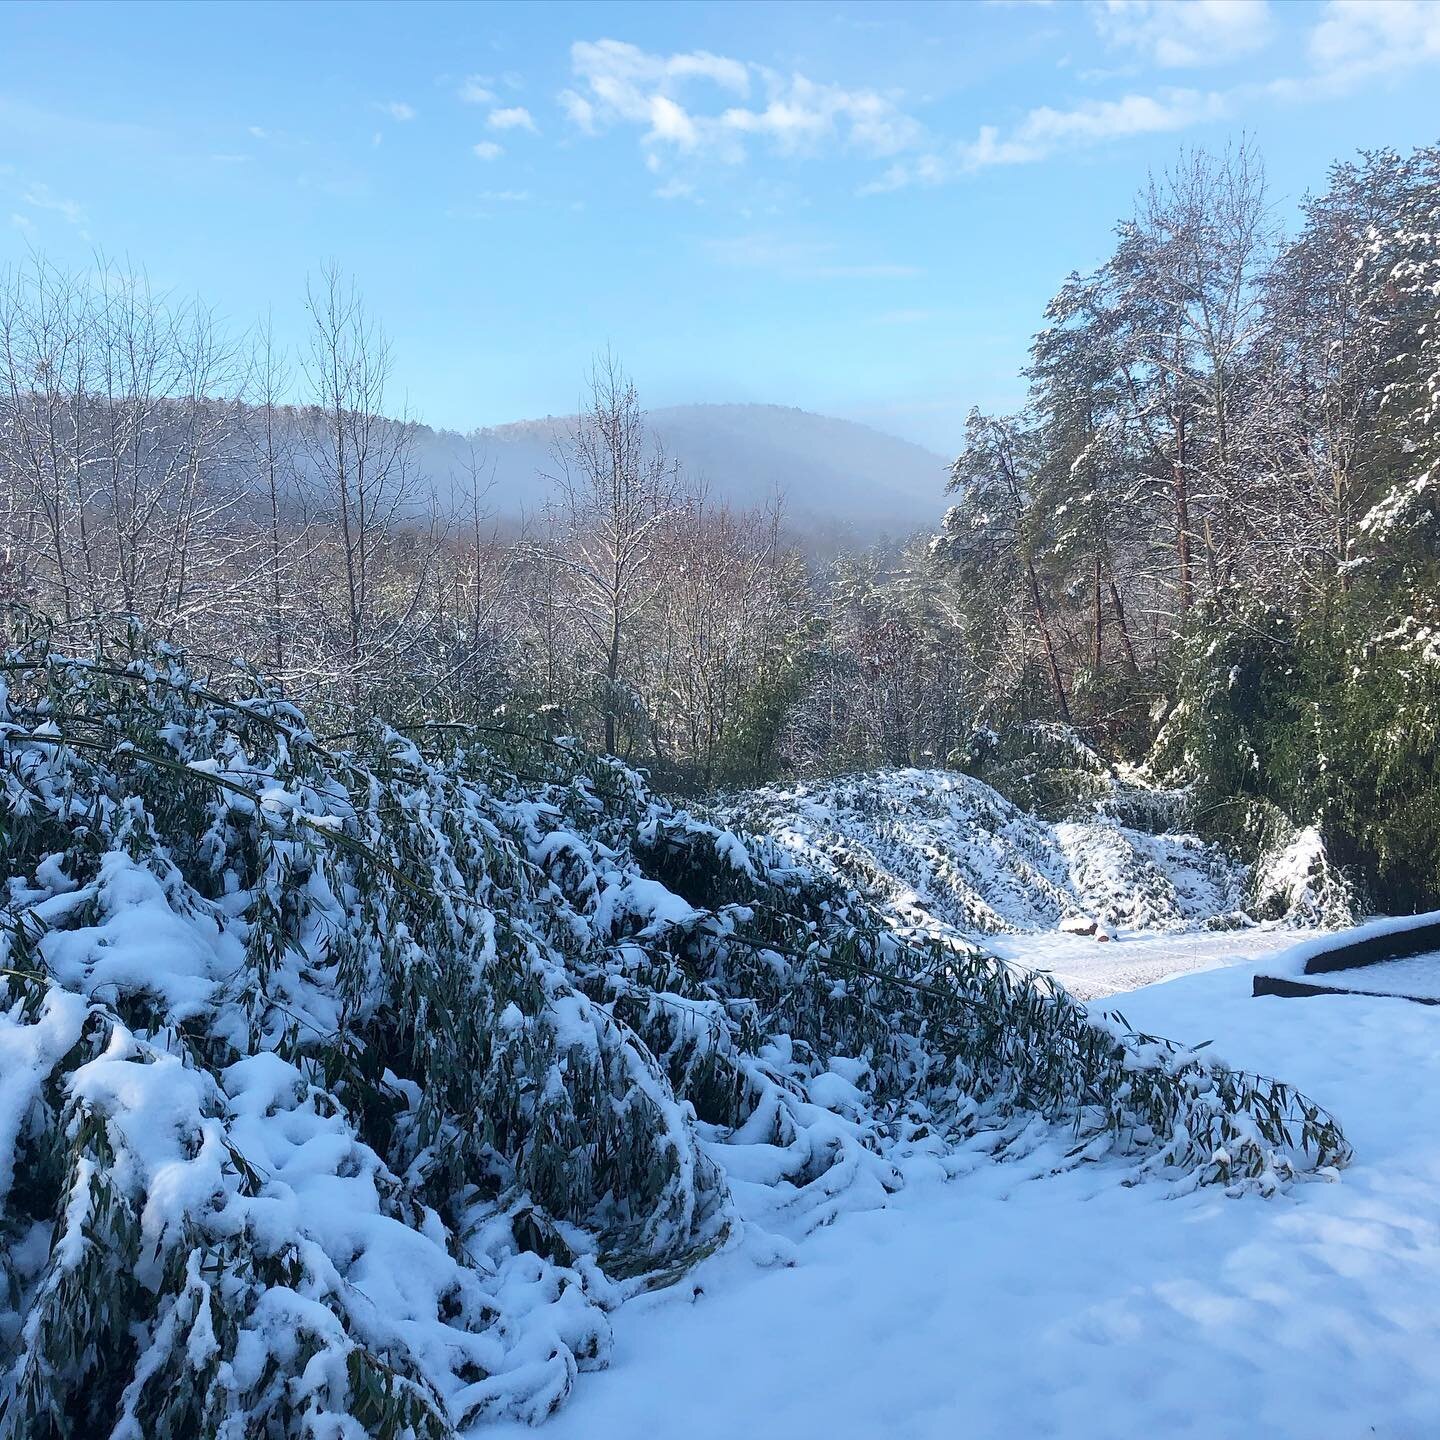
{"x":1187,"y":302}
{"x":121,"y":450}
{"x":272,"y":435}
{"x":710,"y":660}
{"x":360,"y":461}
{"x":614,"y":489}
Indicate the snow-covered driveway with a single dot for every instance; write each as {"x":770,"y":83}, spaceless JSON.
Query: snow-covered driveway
{"x":1089,"y":968}
{"x":1000,"y":1305}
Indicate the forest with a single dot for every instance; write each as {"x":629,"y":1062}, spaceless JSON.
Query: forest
{"x":1207,"y":542}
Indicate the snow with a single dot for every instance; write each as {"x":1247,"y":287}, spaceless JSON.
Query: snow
{"x":647,"y":901}
{"x":1089,"y":970}
{"x":1008,"y":1303}
{"x":27,"y":1055}
{"x":1296,"y":879}
{"x":355,"y":1065}
{"x":139,"y":943}
{"x":944,"y":845}
{"x":1293,"y":962}
{"x":1416,"y":975}
{"x":943,"y":849}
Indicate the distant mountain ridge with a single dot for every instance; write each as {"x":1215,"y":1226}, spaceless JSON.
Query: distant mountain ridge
{"x":841,"y":480}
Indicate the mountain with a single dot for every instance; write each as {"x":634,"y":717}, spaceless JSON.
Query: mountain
{"x":841,"y":481}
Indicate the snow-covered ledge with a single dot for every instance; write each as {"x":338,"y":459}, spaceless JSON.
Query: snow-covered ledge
{"x":1392,"y":938}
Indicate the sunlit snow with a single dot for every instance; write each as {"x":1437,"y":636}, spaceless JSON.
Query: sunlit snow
{"x":1010,"y":1302}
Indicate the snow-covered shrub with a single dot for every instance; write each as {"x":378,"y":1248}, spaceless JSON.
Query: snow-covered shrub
{"x":942,"y":845}
{"x":1293,"y":878}
{"x":1047,"y":768}
{"x":1052,"y":770}
{"x":343,"y":1090}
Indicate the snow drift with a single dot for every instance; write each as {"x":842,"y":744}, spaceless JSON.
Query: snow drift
{"x":343,"y":1091}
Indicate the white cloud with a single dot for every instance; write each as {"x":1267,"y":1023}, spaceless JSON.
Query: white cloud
{"x":801,"y":114}
{"x":505,"y":197}
{"x":1045,"y":131}
{"x":280,"y":139}
{"x":698,"y":103}
{"x":42,"y":197}
{"x":397,"y":110}
{"x":474,"y":90}
{"x":488,"y":150}
{"x":1353,"y":41}
{"x":1179,"y":34}
{"x":621,"y":82}
{"x":675,"y":190}
{"x":670,"y":123}
{"x":516,"y":117}
{"x":695,"y":106}
{"x":23,"y":223}
{"x":578,"y":110}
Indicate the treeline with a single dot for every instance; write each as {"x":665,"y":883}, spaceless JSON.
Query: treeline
{"x":1207,"y":540}
{"x":154,"y":467}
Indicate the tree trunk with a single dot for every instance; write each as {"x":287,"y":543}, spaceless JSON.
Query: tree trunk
{"x":1342,"y":532}
{"x":1180,"y":483}
{"x":1049,"y":645}
{"x":612,"y":675}
{"x":1099,"y":639}
{"x":1124,"y":629}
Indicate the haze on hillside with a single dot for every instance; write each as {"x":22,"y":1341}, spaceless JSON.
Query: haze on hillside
{"x":839,"y":481}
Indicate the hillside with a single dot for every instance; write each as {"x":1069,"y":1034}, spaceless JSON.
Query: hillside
{"x":840,"y":480}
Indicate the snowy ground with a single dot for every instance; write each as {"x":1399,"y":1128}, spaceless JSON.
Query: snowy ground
{"x":1417,"y":975}
{"x":1006,"y":1305}
{"x":1089,"y":968}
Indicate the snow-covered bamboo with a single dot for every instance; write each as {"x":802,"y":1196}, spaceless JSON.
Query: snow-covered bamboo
{"x":344,"y":1091}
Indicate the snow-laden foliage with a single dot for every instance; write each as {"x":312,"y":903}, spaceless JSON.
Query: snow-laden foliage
{"x":1402,"y":259}
{"x":342,"y":1091}
{"x":934,"y":843}
{"x":1295,"y":879}
{"x":1050,"y":768}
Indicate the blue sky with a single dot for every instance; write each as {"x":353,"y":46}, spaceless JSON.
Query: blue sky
{"x":859,"y":209}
